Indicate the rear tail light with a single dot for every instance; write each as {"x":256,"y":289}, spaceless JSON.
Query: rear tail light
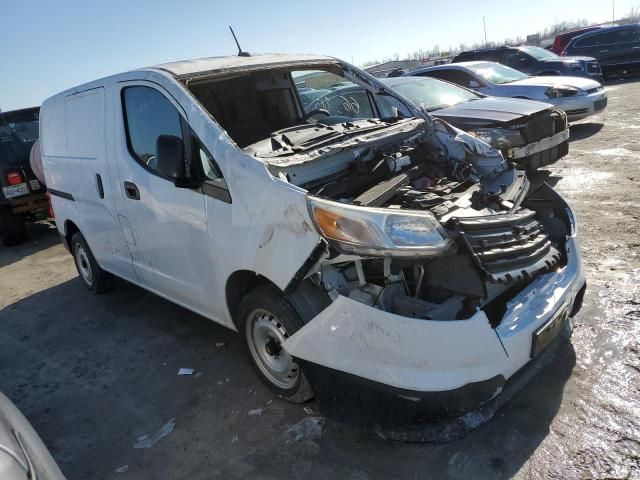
{"x":51,"y":212}
{"x":14,"y":178}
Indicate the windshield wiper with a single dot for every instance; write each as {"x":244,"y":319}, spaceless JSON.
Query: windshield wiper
{"x":439,"y":107}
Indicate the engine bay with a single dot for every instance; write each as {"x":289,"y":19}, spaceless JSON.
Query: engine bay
{"x":504,"y":235}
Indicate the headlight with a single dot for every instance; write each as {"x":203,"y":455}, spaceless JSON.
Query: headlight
{"x":559,"y":92}
{"x":500,"y":138}
{"x":378,"y":231}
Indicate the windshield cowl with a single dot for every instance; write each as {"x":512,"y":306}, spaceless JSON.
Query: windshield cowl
{"x":306,"y":138}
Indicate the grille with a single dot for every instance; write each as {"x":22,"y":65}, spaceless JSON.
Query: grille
{"x":600,"y":104}
{"x":508,"y":247}
{"x":543,"y":125}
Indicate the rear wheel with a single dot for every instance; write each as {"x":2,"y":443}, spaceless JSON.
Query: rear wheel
{"x":12,"y":227}
{"x":94,"y":278}
{"x":267,"y":320}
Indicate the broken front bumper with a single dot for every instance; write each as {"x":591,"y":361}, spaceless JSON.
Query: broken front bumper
{"x":410,"y":370}
{"x":543,"y":152}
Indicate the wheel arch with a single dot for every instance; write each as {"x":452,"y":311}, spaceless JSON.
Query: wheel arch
{"x":308,"y":299}
{"x":238,"y":285}
{"x":70,"y":228}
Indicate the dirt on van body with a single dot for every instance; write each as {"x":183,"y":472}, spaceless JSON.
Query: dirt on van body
{"x":96,"y":373}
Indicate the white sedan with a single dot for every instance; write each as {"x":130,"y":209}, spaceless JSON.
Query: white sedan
{"x":578,"y":97}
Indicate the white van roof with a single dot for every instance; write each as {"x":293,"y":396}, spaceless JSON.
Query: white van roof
{"x":210,"y":67}
{"x":213,"y":66}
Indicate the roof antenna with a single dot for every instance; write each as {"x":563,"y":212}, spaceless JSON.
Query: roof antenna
{"x":240,"y":52}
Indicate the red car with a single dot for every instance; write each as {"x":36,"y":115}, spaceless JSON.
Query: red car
{"x":562,"y":40}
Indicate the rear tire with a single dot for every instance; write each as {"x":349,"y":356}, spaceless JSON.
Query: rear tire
{"x":12,"y":227}
{"x":94,"y":278}
{"x":266,"y":318}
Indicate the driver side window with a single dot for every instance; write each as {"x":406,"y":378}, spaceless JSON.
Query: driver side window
{"x":515,"y":59}
{"x":148,"y":114}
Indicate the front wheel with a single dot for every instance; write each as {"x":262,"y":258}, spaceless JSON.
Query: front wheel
{"x":267,"y":320}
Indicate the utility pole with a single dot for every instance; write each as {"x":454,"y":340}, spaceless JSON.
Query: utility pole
{"x":613,"y":10}
{"x":485,"y":30}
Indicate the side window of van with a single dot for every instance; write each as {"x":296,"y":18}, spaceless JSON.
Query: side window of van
{"x":148,"y":114}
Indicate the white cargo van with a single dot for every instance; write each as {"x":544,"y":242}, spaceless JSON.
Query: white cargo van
{"x":355,"y":250}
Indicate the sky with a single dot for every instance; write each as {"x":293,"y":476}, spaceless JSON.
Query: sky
{"x":49,"y":46}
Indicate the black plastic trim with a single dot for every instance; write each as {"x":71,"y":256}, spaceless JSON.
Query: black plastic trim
{"x":313,"y":258}
{"x":60,"y":194}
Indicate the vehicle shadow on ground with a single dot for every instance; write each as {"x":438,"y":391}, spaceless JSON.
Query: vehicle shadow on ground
{"x":95,"y":372}
{"x":581,"y":131}
{"x":622,"y":79}
{"x":539,"y":177}
{"x":42,"y":235}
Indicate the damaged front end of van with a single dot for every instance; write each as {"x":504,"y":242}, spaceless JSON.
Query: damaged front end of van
{"x":442,"y":272}
{"x":447,"y":274}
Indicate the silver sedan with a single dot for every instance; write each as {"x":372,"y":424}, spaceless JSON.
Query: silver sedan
{"x":578,"y":97}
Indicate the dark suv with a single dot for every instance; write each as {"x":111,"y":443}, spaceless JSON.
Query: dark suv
{"x":616,"y":48}
{"x":536,"y":61}
{"x":22,"y":196}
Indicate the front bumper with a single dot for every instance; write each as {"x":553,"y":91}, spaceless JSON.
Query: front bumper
{"x":580,"y":107}
{"x":404,"y":371}
{"x":543,"y":152}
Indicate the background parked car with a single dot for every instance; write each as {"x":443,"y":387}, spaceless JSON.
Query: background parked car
{"x":578,"y":97}
{"x":22,"y":196}
{"x":532,"y":134}
{"x":536,"y":61}
{"x":616,"y":48}
{"x":562,"y":40}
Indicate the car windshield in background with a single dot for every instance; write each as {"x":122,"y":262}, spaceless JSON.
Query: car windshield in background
{"x":497,"y":73}
{"x":325,"y":91}
{"x":432,"y":94}
{"x":539,"y":53}
{"x":22,"y":124}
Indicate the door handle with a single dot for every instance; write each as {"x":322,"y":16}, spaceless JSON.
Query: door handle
{"x":131,"y":191}
{"x":99,"y":186}
{"x":604,"y":51}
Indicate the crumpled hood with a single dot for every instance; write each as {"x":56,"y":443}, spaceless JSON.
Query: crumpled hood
{"x":553,"y":81}
{"x":491,"y":110}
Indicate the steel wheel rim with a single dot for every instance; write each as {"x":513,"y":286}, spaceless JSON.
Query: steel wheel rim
{"x":83,"y":264}
{"x":265,"y":335}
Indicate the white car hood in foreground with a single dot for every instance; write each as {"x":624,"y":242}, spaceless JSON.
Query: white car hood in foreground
{"x":554,"y":81}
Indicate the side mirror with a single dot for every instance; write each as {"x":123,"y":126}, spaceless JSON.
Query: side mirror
{"x":170,"y":160}
{"x":473,"y":84}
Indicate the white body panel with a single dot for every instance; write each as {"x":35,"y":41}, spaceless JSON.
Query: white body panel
{"x":73,"y":155}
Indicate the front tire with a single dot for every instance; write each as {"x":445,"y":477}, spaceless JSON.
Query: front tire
{"x":94,"y":278}
{"x":266,"y":320}
{"x":12,"y":227}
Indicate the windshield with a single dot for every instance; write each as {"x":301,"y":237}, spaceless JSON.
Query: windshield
{"x":255,"y":105}
{"x":539,"y":53}
{"x":496,"y":73}
{"x":432,"y":94}
{"x":332,"y":94}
